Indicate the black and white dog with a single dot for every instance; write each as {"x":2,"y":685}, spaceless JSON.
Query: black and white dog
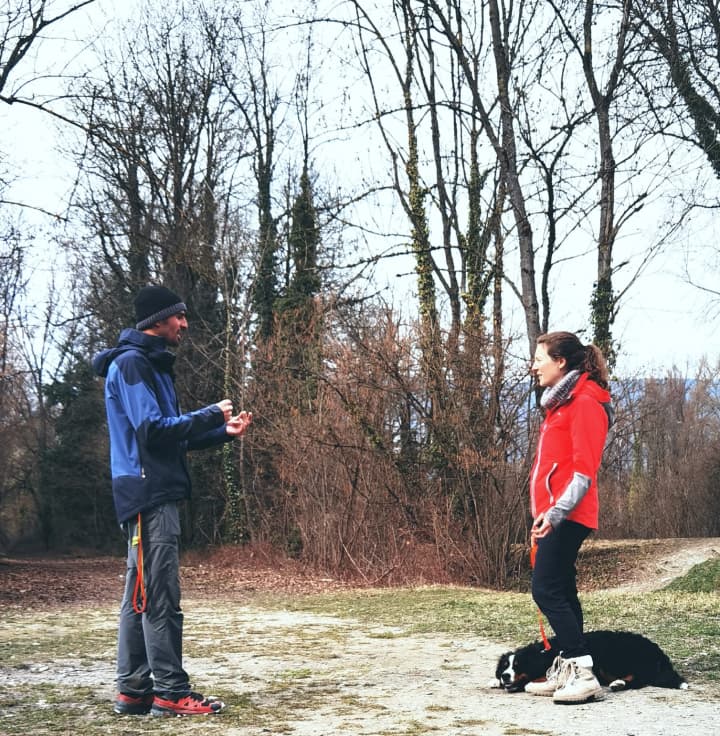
{"x":622,"y":660}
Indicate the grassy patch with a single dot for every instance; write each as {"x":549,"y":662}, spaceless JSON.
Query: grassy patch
{"x":85,"y":634}
{"x":702,"y":578}
{"x":413,"y":728}
{"x":686,"y":625}
{"x":470,"y":723}
{"x":44,"y":709}
{"x":430,"y":609}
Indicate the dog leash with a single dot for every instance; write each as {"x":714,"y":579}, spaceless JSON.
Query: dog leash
{"x":546,"y":643}
{"x":140,"y":605}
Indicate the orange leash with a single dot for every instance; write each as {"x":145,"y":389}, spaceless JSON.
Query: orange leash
{"x":546,"y":643}
{"x":140,"y":605}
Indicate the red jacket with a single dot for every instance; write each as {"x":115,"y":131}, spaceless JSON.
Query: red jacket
{"x":572,"y":438}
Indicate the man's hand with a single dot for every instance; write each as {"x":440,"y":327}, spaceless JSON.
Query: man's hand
{"x":226,"y":408}
{"x":235,"y":426}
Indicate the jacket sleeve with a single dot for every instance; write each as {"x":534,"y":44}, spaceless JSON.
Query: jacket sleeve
{"x":588,"y":431}
{"x":136,"y":389}
{"x":212,"y":438}
{"x":572,"y":495}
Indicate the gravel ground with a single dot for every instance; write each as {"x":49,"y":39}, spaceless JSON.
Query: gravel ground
{"x":326,"y":676}
{"x":379,"y":682}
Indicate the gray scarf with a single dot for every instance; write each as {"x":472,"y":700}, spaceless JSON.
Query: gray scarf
{"x":558,"y":394}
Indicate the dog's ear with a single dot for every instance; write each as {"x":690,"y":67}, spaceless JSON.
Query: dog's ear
{"x":502,"y":663}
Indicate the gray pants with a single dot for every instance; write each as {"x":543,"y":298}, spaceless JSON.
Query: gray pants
{"x":150,"y":643}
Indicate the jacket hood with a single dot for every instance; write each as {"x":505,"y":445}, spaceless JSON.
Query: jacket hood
{"x":130,"y":339}
{"x":586,"y":386}
{"x":590,"y":388}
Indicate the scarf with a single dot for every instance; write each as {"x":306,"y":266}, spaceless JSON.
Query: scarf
{"x":559,"y":393}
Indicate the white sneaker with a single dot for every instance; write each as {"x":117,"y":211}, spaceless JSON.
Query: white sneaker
{"x":579,"y":684}
{"x":554,"y":678}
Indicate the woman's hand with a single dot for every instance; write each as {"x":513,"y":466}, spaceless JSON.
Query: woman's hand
{"x":541,"y":528}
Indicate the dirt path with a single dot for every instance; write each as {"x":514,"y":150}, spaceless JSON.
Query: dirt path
{"x":668,"y":560}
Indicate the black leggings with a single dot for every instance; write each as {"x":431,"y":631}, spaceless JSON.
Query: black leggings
{"x":554,"y":586}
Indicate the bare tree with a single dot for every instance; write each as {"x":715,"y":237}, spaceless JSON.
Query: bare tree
{"x":160,"y":171}
{"x":400,"y":51}
{"x":661,"y":469}
{"x":684,"y":36}
{"x":261,"y":107}
{"x":680,"y":78}
{"x":426,"y":116}
{"x":502,"y":135}
{"x":23,"y":24}
{"x":11,"y":376}
{"x":34,"y":339}
{"x":602,"y":98}
{"x":159,"y":158}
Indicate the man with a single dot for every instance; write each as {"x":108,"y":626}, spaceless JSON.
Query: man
{"x":148,"y":442}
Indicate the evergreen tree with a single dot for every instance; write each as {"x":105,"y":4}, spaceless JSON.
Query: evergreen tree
{"x":298,"y":316}
{"x":75,"y":488}
{"x":303,"y":244}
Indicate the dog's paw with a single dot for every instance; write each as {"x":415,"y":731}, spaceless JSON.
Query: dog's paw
{"x":617,"y":685}
{"x":494,"y":683}
{"x":684,"y":686}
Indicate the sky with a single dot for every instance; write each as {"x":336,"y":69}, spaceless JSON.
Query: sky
{"x":663,"y":323}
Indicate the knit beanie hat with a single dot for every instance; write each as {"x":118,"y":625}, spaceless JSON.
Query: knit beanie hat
{"x":155,"y":303}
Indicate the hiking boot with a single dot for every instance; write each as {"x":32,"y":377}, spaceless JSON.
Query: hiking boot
{"x":554,"y":678}
{"x":580,"y":684}
{"x":186,"y":705}
{"x":131,"y":705}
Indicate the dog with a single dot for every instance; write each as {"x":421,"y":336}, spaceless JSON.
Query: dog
{"x":622,"y":660}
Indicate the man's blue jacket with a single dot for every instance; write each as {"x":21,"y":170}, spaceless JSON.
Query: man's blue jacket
{"x":149,"y":436}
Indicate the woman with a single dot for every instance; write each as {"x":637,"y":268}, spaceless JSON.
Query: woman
{"x":564,"y":500}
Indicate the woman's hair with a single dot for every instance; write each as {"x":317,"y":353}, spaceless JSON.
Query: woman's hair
{"x":585,"y":358}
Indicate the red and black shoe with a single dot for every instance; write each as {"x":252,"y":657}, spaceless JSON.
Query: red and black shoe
{"x":131,"y":705}
{"x":192,"y":704}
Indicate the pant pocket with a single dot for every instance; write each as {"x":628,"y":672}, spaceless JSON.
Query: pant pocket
{"x":162,"y":523}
